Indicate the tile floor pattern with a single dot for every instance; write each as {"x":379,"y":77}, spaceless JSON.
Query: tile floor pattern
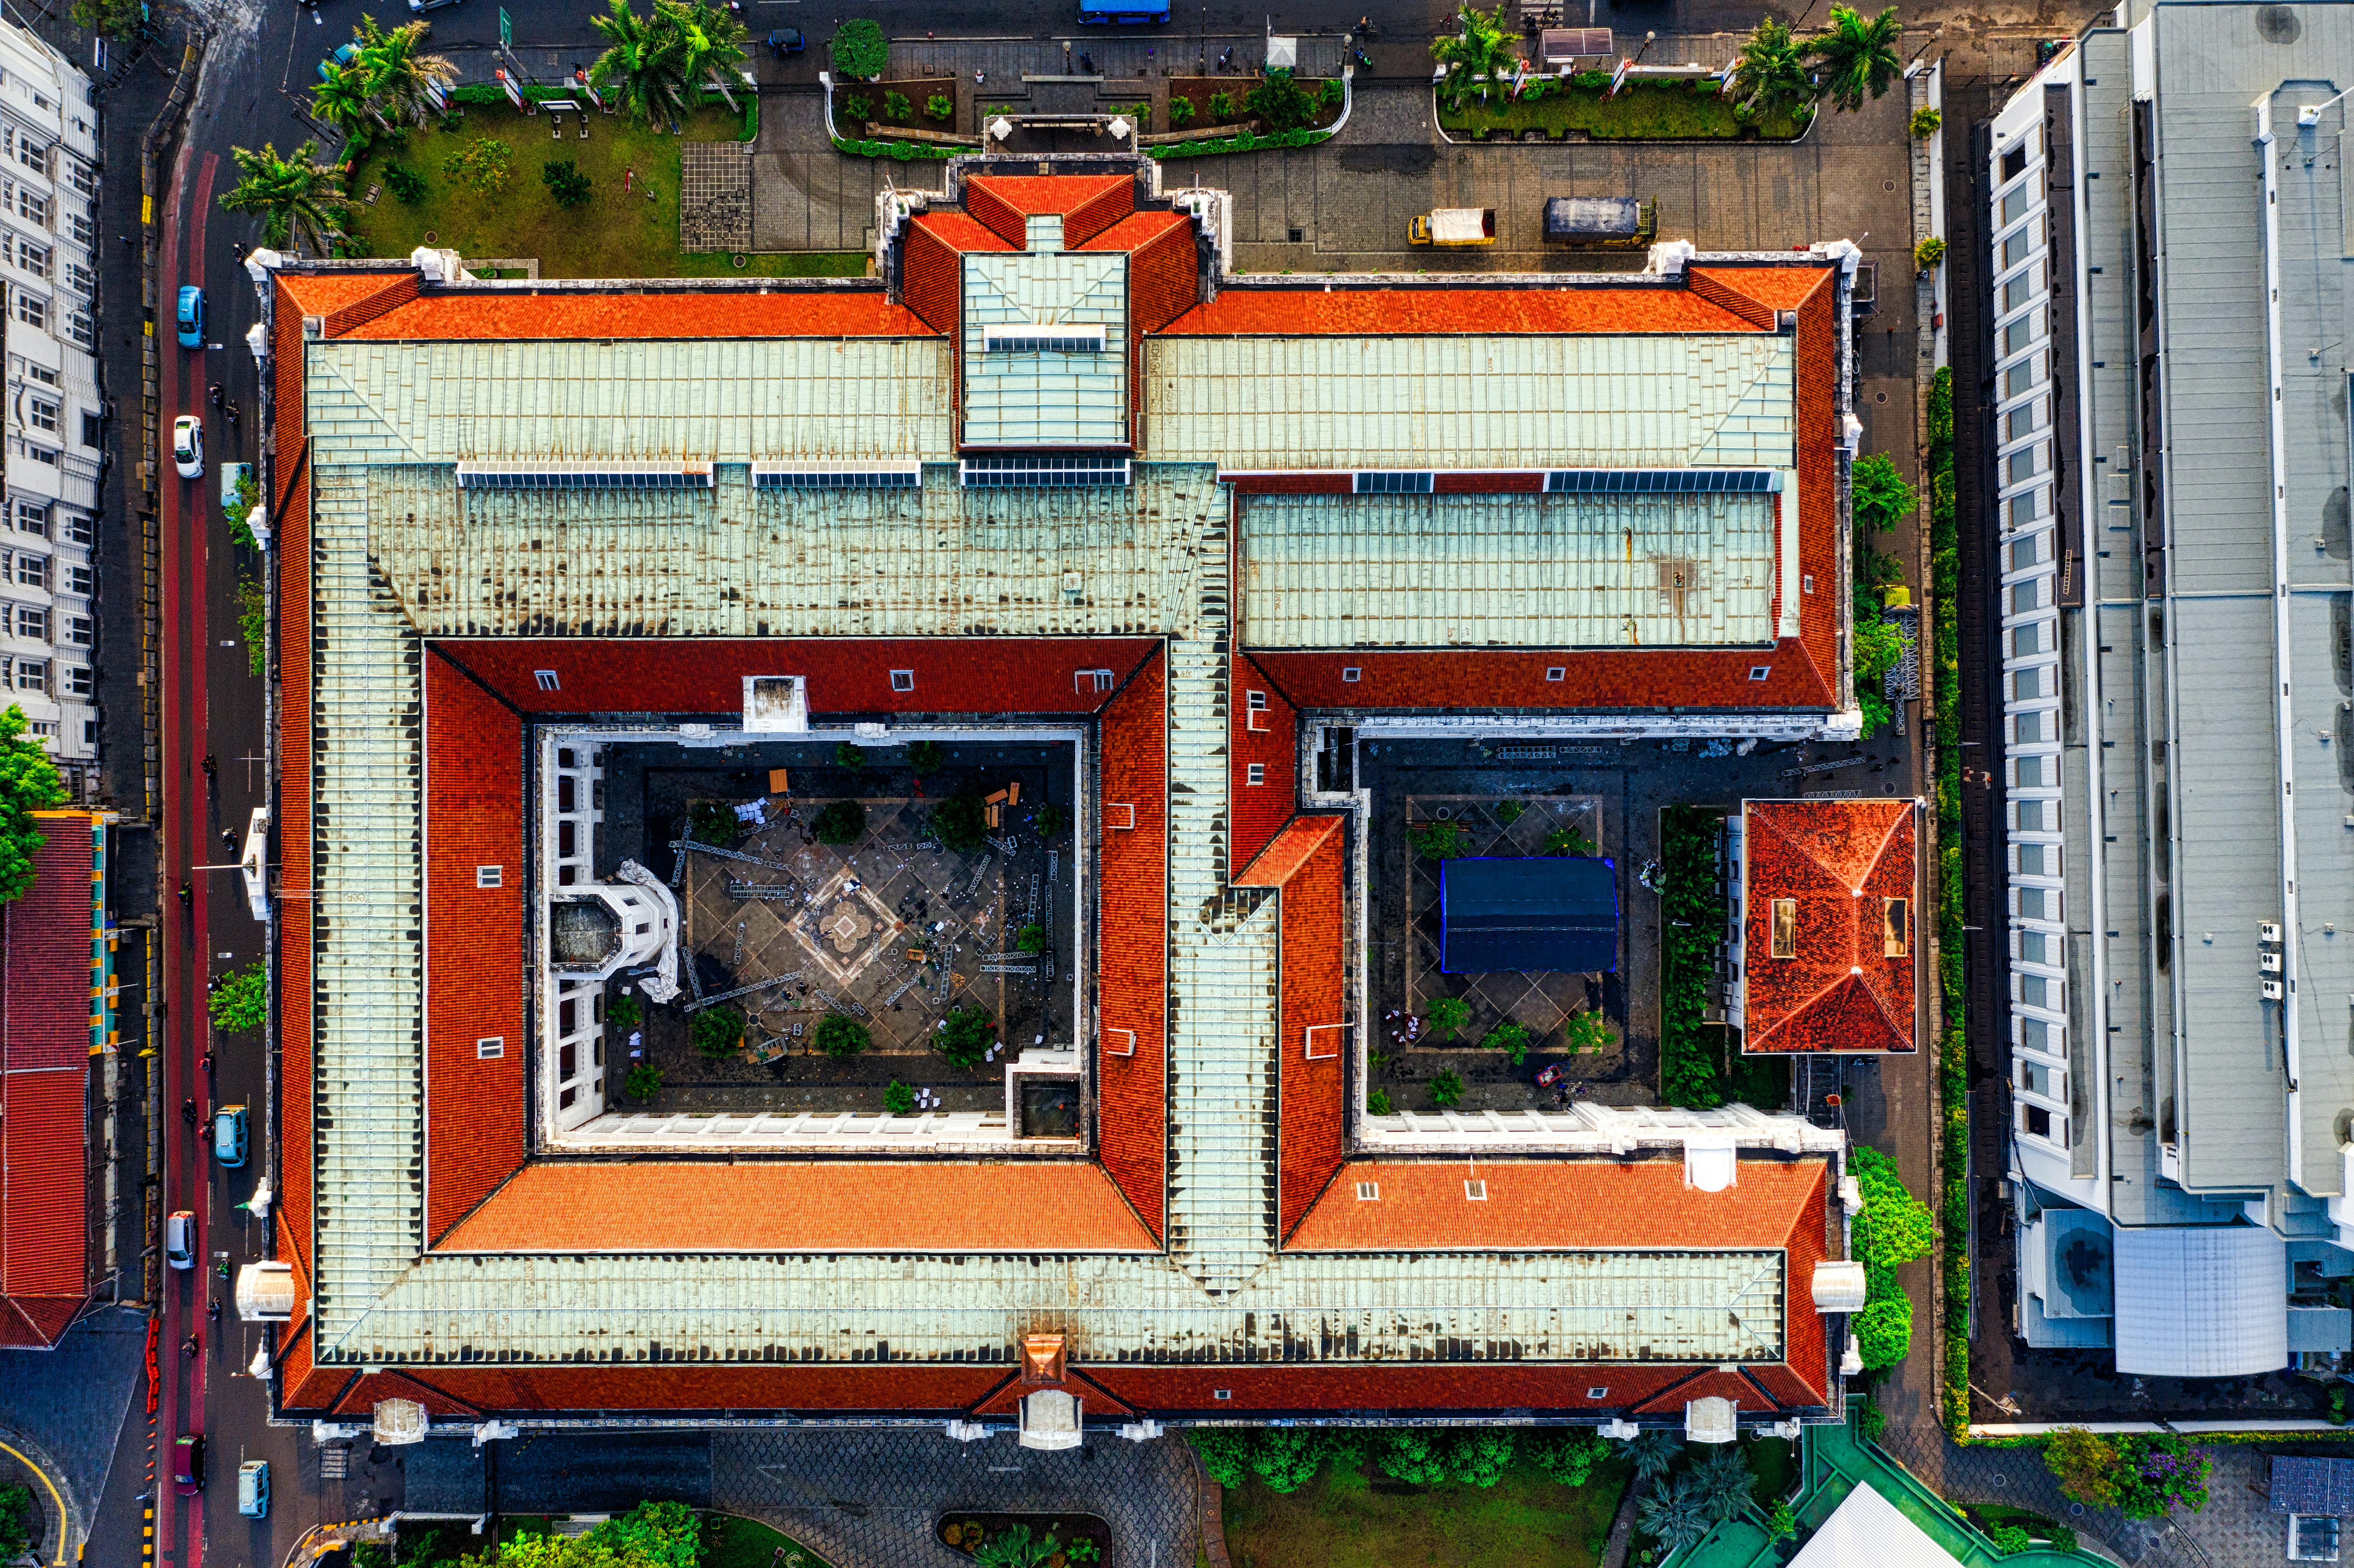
{"x":892,"y":929}
{"x":714,"y":199}
{"x":1541,"y":1002}
{"x":867,"y":1497}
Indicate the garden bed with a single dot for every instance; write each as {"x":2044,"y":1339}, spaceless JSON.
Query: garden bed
{"x":731,"y":1540}
{"x":1355,"y":1517}
{"x":1198,"y":91}
{"x":1080,"y":1540}
{"x":1652,"y":110}
{"x":876,"y":115}
{"x":628,"y":228}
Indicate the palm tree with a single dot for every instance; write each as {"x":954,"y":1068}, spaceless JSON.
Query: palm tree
{"x":1856,"y":56}
{"x":1652,"y":1453}
{"x":1481,"y":48}
{"x":710,"y":39}
{"x":1721,"y":1481}
{"x":640,"y":62}
{"x":297,"y":199}
{"x":397,"y":75}
{"x":342,"y":97}
{"x":1770,"y":71}
{"x":1673,"y":1516}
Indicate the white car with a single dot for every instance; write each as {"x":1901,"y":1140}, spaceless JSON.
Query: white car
{"x":188,"y":445}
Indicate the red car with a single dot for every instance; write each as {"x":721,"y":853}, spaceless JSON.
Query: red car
{"x":188,"y":1464}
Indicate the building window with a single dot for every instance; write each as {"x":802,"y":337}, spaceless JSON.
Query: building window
{"x":489,"y":1049}
{"x":33,"y":258}
{"x":1760,"y":672}
{"x":79,"y":529}
{"x":33,"y":621}
{"x":547,"y":680}
{"x":33,"y":518}
{"x":2035,"y":1121}
{"x":80,"y":328}
{"x":77,"y":630}
{"x":41,"y":413}
{"x":1786,"y":928}
{"x":41,"y":454}
{"x":31,"y":155}
{"x":1369,"y":1191}
{"x":78,"y":681}
{"x":33,"y":311}
{"x":1896,"y":926}
{"x":93,"y":429}
{"x":32,"y":571}
{"x":32,"y":675}
{"x":1222,"y":1394}
{"x":1350,"y":674}
{"x":1258,"y":773}
{"x":1475,"y":1191}
{"x":902,"y":680}
{"x":1091,"y":680}
{"x":33,"y":207}
{"x":1556,"y":673}
{"x":84,"y":231}
{"x":490,"y":877}
{"x":79,"y":279}
{"x":45,"y":728}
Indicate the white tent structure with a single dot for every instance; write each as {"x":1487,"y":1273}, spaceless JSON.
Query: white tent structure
{"x":1867,"y":1531}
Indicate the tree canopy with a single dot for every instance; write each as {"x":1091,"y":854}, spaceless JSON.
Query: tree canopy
{"x":297,"y":199}
{"x":29,"y":783}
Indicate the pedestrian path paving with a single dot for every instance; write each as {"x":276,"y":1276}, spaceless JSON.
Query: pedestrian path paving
{"x":872,"y":1496}
{"x":1839,"y":1459}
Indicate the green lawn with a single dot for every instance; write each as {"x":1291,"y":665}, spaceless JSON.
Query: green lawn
{"x":1646,"y":109}
{"x":1353,"y":1520}
{"x":615,"y":235}
{"x":731,"y":1540}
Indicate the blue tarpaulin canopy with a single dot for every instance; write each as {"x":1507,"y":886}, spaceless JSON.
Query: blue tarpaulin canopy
{"x":1551,"y":913}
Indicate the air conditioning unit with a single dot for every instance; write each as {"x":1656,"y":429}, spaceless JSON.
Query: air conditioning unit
{"x":2269,"y":962}
{"x":2267,"y":932}
{"x":2274,"y":991}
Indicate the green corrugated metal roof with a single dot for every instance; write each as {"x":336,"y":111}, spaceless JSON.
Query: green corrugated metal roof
{"x":1045,"y":398}
{"x":1690,"y":400}
{"x":1556,"y":571}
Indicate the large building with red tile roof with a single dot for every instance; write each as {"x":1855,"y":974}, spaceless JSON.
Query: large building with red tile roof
{"x":1826,"y":926}
{"x":1055,"y":474}
{"x":57,"y":1021}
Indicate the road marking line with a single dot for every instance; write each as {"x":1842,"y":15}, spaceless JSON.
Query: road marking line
{"x":64,"y":1524}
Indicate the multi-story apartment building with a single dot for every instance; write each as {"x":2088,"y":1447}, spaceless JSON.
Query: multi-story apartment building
{"x":2168,"y":394}
{"x":49,"y":245}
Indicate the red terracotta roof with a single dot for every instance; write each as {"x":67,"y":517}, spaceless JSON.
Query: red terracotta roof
{"x":1007,"y":1397}
{"x":323,"y":293}
{"x":1288,"y":851}
{"x":823,"y":1205}
{"x":1087,"y":204}
{"x":1376,"y":1390}
{"x":1717,"y":1382}
{"x":948,"y":1389}
{"x":961,"y":231}
{"x":1836,"y":863}
{"x":1777,"y":285}
{"x":565,"y":313}
{"x":845,"y":675}
{"x":474,"y":1136}
{"x":45,"y":1013}
{"x":1266,"y":737}
{"x":1538,"y":1206}
{"x":360,"y":1398}
{"x":1404,"y":311}
{"x":1484,"y":678}
{"x":1135,"y":231}
{"x":1132,"y":935}
{"x":1312,"y":1112}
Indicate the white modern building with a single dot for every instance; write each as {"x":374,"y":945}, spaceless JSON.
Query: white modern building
{"x":49,"y":265}
{"x":2168,"y":225}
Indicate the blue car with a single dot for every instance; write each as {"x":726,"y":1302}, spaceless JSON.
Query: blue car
{"x":229,"y":1136}
{"x":192,"y":316}
{"x":342,"y":57}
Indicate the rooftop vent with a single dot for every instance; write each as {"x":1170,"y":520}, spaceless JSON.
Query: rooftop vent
{"x":1839,"y":1287}
{"x":1709,"y":1161}
{"x":775,"y":705}
{"x":1026,"y":337}
{"x":564,"y":474}
{"x":908,"y":475}
{"x":1662,"y":482}
{"x":1712,"y":1420}
{"x":1042,"y":473}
